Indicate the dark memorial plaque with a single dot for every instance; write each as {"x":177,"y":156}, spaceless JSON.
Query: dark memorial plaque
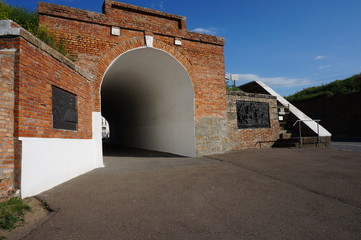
{"x":252,"y":114}
{"x":64,"y":109}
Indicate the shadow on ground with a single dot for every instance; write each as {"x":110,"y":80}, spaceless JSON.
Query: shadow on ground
{"x":114,"y":150}
{"x":121,"y":160}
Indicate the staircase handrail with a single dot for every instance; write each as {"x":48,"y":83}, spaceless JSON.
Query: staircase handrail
{"x":300,"y":131}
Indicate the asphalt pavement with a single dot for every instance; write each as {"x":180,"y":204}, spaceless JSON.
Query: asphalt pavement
{"x":251,"y":194}
{"x":347,"y":146}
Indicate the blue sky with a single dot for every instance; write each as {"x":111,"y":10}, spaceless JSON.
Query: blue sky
{"x":288,"y":44}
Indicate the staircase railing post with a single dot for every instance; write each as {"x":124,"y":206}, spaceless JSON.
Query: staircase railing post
{"x":318,"y":133}
{"x":299,"y":127}
{"x":300,"y":130}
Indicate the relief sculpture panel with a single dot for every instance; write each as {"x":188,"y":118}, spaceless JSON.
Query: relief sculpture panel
{"x":252,"y":114}
{"x":64,"y":109}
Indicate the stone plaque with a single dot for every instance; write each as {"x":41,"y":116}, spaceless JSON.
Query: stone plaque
{"x":65,"y":114}
{"x":252,"y":114}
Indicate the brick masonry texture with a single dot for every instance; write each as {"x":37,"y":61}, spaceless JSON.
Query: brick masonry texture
{"x":251,"y":137}
{"x":37,"y":73}
{"x":29,"y":69}
{"x":7,"y":104}
{"x":94,"y":48}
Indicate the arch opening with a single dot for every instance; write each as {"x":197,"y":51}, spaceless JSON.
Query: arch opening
{"x":147,"y":98}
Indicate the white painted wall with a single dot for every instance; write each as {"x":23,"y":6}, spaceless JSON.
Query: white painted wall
{"x":171,"y":138}
{"x":48,"y":162}
{"x":97,"y":138}
{"x":148,"y":99}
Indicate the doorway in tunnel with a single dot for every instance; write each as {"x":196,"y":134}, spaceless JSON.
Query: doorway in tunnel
{"x":147,"y":97}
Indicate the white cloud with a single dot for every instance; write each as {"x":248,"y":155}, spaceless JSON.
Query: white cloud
{"x":319,"y":57}
{"x":324,"y":66}
{"x":211,"y":31}
{"x":273,"y":81}
{"x":159,"y":5}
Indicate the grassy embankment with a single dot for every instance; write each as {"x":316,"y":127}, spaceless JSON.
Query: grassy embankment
{"x":29,"y":21}
{"x":338,"y":87}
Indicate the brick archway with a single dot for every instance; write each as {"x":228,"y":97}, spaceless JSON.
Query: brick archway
{"x":136,"y":86}
{"x":129,"y":45}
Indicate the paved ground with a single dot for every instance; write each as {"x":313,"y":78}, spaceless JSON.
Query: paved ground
{"x":252,"y":194}
{"x":347,"y":146}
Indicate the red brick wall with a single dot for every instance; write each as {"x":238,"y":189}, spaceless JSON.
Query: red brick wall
{"x":38,"y":71}
{"x":88,"y":39}
{"x":252,"y":137}
{"x":7,"y":104}
{"x":86,"y":42}
{"x":28,"y":73}
{"x":29,"y":68}
{"x":90,"y":42}
{"x":208,"y":80}
{"x":134,"y":17}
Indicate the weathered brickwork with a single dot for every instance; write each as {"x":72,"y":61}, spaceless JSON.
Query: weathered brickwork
{"x":37,"y":73}
{"x":7,"y":104}
{"x":90,"y":42}
{"x":29,"y":68}
{"x":251,"y":137}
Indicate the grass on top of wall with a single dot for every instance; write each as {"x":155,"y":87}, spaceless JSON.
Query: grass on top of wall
{"x":29,"y":21}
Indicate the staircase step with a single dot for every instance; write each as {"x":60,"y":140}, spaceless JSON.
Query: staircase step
{"x":285,"y":135}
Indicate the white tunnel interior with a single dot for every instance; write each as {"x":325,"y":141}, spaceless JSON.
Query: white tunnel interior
{"x":148,"y":99}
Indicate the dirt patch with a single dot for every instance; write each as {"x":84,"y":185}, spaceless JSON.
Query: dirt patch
{"x":39,"y":212}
